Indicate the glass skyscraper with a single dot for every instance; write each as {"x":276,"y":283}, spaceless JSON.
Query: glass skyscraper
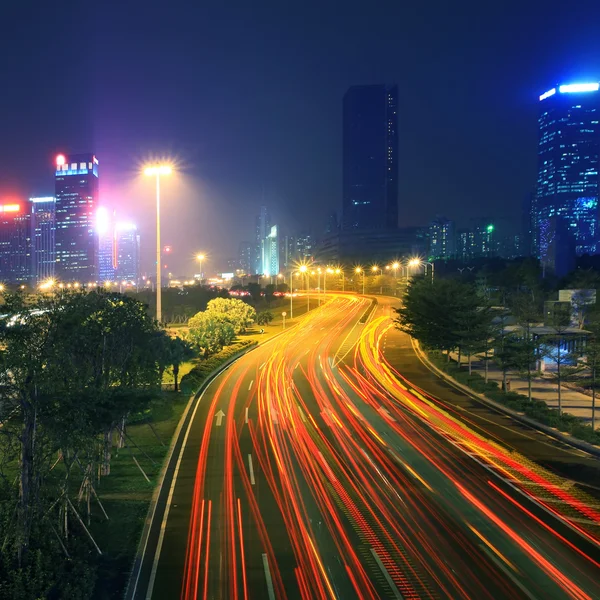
{"x":566,"y":202}
{"x":270,"y":253}
{"x":127,"y":241}
{"x":43,"y":225}
{"x":370,"y":161}
{"x":76,"y":202}
{"x":15,"y":242}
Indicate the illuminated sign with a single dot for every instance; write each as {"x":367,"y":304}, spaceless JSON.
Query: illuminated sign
{"x":579,"y":87}
{"x":60,"y":160}
{"x":44,"y":199}
{"x":548,"y":94}
{"x":9,"y":208}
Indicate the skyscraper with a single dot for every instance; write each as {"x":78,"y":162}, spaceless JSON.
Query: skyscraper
{"x":566,"y":202}
{"x":441,"y":238}
{"x":127,"y":242}
{"x":76,"y":202}
{"x":370,"y":146}
{"x":43,"y":227}
{"x":263,"y":228}
{"x":270,"y":253}
{"x":246,"y":257}
{"x":105,"y":230}
{"x":15,"y":242}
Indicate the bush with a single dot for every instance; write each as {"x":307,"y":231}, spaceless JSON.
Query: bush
{"x":191,"y":382}
{"x":537,"y":410}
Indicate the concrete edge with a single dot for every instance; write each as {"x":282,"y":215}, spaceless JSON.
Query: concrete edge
{"x":141,"y":548}
{"x":552,"y":432}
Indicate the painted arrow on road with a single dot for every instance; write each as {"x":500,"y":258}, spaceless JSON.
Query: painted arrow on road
{"x":219,"y":417}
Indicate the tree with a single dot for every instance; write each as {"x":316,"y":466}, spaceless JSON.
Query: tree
{"x":180,"y":351}
{"x":237,"y":312}
{"x":210,"y":332}
{"x":559,"y":320}
{"x":255,"y":291}
{"x":270,"y":289}
{"x":264,"y":317}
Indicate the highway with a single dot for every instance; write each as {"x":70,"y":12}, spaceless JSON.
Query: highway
{"x":311,"y":468}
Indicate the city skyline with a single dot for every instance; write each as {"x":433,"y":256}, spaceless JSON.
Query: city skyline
{"x":467,"y":121}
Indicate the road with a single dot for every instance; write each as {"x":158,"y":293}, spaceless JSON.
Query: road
{"x":312,"y":469}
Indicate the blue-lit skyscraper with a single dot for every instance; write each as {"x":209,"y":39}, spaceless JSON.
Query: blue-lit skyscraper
{"x":76,"y":203}
{"x":565,"y":207}
{"x":370,"y":157}
{"x":270,"y":253}
{"x":43,"y":226}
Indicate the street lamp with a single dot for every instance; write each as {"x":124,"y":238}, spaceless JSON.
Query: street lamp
{"x":157,"y":171}
{"x":304,"y":269}
{"x":417,"y":262}
{"x":327,"y":270}
{"x":339,"y":271}
{"x":360,"y":270}
{"x":319,"y":285}
{"x":200,"y":258}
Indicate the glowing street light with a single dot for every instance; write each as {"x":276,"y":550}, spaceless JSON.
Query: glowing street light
{"x":303,"y":268}
{"x":200,"y":257}
{"x":157,"y":171}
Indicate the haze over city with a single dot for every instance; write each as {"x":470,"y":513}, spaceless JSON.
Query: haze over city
{"x":247,"y":100}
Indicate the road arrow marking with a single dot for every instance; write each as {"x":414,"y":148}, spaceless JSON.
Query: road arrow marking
{"x":385,"y":413}
{"x":219,"y":417}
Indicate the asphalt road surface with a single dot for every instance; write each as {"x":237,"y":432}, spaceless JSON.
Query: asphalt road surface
{"x":314,"y":468}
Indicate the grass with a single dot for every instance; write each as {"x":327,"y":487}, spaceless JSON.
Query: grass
{"x":535,"y":409}
{"x":125,"y":493}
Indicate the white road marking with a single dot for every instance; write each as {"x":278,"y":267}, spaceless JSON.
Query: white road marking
{"x":250,"y":386}
{"x":251,"y":469}
{"x":387,"y":576}
{"x":270,"y":589}
{"x":246,"y":414}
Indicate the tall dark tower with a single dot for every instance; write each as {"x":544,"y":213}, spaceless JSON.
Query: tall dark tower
{"x":370,"y":178}
{"x":76,"y":203}
{"x":566,"y":203}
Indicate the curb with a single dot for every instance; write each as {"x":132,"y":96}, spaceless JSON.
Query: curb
{"x":554,"y":433}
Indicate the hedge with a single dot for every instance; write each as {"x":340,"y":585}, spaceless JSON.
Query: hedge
{"x":537,"y":410}
{"x":191,"y":382}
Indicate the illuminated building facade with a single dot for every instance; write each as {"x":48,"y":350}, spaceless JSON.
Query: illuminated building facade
{"x":43,"y":229}
{"x":565,"y":207}
{"x":263,"y":228}
{"x":441,"y":238}
{"x":105,"y":230}
{"x":15,"y":242}
{"x":270,"y":253}
{"x":370,"y":157}
{"x":127,"y":250}
{"x":76,"y":181}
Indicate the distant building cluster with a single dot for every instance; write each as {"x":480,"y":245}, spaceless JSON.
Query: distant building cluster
{"x":67,"y":236}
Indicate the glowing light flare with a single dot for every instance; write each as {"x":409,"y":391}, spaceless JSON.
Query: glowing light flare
{"x":102,"y":220}
{"x":573,"y":88}
{"x":60,"y":160}
{"x":548,"y":94}
{"x":158,"y":170}
{"x":10,"y":208}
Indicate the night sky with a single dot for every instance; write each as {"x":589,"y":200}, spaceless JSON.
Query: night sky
{"x":246,"y":97}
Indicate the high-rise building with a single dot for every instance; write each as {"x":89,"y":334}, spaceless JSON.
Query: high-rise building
{"x":43,"y":228}
{"x":484,"y":241}
{"x":246,"y":257}
{"x":76,"y":202}
{"x":566,"y":202}
{"x":270,"y":253}
{"x":370,"y":161}
{"x":105,"y":230}
{"x":15,"y":242}
{"x":287,"y":251}
{"x":263,"y":228}
{"x":127,"y":252}
{"x":465,"y":244}
{"x":305,"y":247}
{"x":441,"y":238}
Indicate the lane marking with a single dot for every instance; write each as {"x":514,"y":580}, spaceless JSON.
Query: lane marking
{"x":507,"y":572}
{"x":261,"y":366}
{"x":251,"y":469}
{"x":250,"y":386}
{"x":246,"y":415}
{"x":387,"y":576}
{"x":270,"y":589}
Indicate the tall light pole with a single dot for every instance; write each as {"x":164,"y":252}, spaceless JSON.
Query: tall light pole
{"x":337,"y":272}
{"x":319,"y":285}
{"x":304,"y":269}
{"x":375,"y":270}
{"x":327,"y":270}
{"x":200,"y":258}
{"x":157,"y":171}
{"x":360,"y":270}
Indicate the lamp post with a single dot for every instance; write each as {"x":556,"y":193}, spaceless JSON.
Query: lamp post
{"x":304,"y":269}
{"x":375,"y":270}
{"x":339,"y":271}
{"x":200,"y":258}
{"x":360,"y":270}
{"x":157,"y":171}
{"x":319,"y":285}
